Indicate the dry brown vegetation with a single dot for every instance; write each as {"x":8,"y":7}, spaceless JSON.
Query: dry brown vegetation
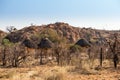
{"x":60,"y":73}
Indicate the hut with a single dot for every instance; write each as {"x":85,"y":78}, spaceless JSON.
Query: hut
{"x":83,"y":43}
{"x":44,"y":45}
{"x":29,"y":43}
{"x":30,"y":46}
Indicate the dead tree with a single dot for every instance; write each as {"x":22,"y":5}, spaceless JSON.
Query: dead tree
{"x":62,"y":55}
{"x":11,"y":29}
{"x":4,"y":56}
{"x":18,"y":55}
{"x":113,"y":47}
{"x":12,"y":55}
{"x":57,"y":54}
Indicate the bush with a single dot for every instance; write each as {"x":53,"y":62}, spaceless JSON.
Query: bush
{"x":6,"y":42}
{"x":50,"y":33}
{"x":75,"y":48}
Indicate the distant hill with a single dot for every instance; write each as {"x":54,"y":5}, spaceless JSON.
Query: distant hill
{"x":59,"y":31}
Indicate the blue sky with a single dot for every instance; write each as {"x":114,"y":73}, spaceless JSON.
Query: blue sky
{"x":101,"y":14}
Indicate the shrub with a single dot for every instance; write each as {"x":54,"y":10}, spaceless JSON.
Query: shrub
{"x":6,"y":42}
{"x":50,"y":33}
{"x":75,"y":48}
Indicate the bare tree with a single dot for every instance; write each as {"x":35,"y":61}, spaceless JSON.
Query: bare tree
{"x":3,"y":55}
{"x":13,"y":55}
{"x":58,"y":54}
{"x":113,"y":46}
{"x":18,"y":56}
{"x":11,"y":29}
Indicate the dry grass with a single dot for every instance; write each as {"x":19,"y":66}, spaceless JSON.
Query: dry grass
{"x":61,"y":73}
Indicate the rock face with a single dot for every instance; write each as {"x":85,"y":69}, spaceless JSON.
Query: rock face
{"x":59,"y":30}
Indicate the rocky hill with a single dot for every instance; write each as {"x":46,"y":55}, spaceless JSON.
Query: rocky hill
{"x":59,"y":31}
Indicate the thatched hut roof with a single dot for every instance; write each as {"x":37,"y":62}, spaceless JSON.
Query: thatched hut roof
{"x":83,"y":43}
{"x":45,"y":43}
{"x":30,"y":44}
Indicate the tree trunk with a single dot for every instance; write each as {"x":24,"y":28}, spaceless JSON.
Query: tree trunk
{"x":68,"y":58}
{"x":41,"y":56}
{"x":89,"y":50}
{"x":101,"y":56}
{"x":4,"y":57}
{"x":58,"y":58}
{"x":115,"y":60}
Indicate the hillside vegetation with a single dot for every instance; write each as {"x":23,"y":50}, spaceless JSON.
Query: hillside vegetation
{"x":60,"y":30}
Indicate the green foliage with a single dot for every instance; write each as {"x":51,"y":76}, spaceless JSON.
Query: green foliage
{"x":75,"y":48}
{"x":6,"y":42}
{"x":51,"y":34}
